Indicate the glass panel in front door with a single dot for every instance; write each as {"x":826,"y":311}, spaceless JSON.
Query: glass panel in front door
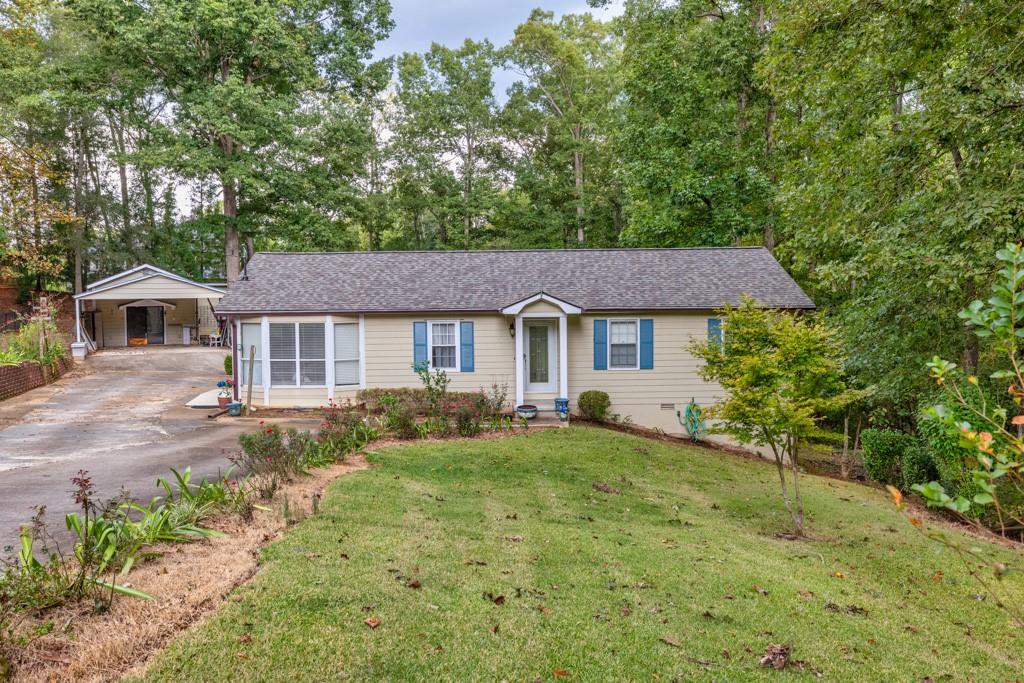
{"x":538,"y":354}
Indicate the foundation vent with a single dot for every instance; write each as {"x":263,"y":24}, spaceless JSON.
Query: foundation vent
{"x":668,"y":406}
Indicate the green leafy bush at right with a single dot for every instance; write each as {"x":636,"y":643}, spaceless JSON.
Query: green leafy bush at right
{"x":882,"y":454}
{"x":594,"y":404}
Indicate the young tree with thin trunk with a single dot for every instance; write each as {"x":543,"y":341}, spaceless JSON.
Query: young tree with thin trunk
{"x":782,"y":374}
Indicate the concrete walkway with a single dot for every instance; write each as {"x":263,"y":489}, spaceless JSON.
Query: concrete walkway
{"x":121,"y":416}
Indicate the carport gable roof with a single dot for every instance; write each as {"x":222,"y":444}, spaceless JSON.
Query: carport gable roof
{"x":175,"y":284}
{"x":489,"y":281}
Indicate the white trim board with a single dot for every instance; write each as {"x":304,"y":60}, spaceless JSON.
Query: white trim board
{"x":564,"y":306}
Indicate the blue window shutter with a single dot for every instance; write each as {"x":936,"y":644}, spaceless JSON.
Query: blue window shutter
{"x":466,"y":331}
{"x":600,"y":344}
{"x":715,"y":331}
{"x":419,"y":343}
{"x":646,"y":344}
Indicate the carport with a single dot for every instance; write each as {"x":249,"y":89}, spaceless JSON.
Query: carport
{"x":146,"y":306}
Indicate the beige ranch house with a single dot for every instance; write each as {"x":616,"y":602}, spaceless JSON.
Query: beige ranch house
{"x":144,"y":306}
{"x":547,"y":323}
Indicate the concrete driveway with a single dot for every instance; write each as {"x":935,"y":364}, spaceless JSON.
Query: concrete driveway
{"x":122,"y":418}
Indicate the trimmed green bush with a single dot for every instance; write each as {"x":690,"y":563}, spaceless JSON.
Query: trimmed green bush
{"x":917,"y":466}
{"x":594,"y":404}
{"x":228,"y":366}
{"x":882,"y":454}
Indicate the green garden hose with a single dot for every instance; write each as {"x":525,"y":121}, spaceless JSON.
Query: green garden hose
{"x":693,"y":422}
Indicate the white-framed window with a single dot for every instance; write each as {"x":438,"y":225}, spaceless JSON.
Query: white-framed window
{"x":283,"y":363}
{"x":297,"y":355}
{"x":346,"y":354}
{"x":250,"y":338}
{"x":312,"y":355}
{"x":443,"y":344}
{"x":624,"y":344}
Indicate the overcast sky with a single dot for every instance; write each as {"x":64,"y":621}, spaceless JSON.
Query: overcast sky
{"x":418,"y":23}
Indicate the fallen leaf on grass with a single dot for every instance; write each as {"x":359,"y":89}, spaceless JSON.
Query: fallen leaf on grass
{"x":725,"y":654}
{"x":372,"y":622}
{"x":415,"y":583}
{"x":496,"y":599}
{"x":910,"y":629}
{"x":849,"y":609}
{"x":759,"y":589}
{"x":560,"y":673}
{"x":514,"y":539}
{"x":605,"y":488}
{"x":838,"y":575}
{"x":937,"y":576}
{"x":669,"y":640}
{"x":245,"y":639}
{"x":775,"y":656}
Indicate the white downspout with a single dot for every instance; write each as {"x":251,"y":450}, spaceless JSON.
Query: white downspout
{"x":329,"y":355}
{"x":520,"y":366}
{"x":265,"y":358}
{"x":78,"y":321}
{"x":563,"y":356}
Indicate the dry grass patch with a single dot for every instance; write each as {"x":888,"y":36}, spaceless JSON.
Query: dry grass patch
{"x":188,"y":581}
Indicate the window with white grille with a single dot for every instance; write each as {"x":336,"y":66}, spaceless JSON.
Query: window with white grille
{"x":622,"y":344}
{"x":298,"y":355}
{"x":346,"y":354}
{"x":444,"y":345}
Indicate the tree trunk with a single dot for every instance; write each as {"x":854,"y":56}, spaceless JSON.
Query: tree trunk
{"x":80,"y":174}
{"x":117,"y":135}
{"x":231,"y":257}
{"x":467,"y":190}
{"x":798,"y":503}
{"x":577,"y":169}
{"x":616,"y":217}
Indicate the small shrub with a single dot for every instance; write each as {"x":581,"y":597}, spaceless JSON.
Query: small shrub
{"x":882,"y":453}
{"x":228,"y":365}
{"x":467,"y":419}
{"x":398,"y":417}
{"x":594,"y":405}
{"x":273,"y":454}
{"x":343,"y":430}
{"x":494,"y":399}
{"x":916,"y":465}
{"x":414,"y":397}
{"x":435,"y":383}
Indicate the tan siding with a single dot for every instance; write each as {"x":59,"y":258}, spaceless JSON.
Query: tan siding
{"x":637,"y":394}
{"x":389,"y":353}
{"x":113,"y":322}
{"x":640,"y":393}
{"x":155,"y":288}
{"x":183,"y":313}
{"x":542,"y":307}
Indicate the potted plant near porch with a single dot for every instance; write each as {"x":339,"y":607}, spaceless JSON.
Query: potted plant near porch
{"x":224,"y":397}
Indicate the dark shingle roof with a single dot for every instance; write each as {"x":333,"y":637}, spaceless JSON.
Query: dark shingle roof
{"x":594,"y":279}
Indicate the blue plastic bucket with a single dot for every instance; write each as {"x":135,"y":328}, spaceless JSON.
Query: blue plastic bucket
{"x":235,"y":408}
{"x":562,"y":405}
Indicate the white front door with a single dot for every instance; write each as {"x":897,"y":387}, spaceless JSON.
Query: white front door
{"x":540,"y":355}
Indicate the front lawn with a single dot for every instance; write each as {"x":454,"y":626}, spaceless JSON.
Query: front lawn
{"x":525,"y":570}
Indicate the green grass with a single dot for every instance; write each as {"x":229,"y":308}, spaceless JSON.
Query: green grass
{"x":598,"y":579}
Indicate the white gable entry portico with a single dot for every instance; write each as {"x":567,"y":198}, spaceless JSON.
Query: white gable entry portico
{"x":144,"y":306}
{"x":541,"y":348}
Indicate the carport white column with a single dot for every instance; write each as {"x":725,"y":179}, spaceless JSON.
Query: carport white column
{"x":329,"y":355}
{"x":520,"y":366}
{"x":563,"y":355}
{"x":78,"y":321}
{"x":265,"y":357}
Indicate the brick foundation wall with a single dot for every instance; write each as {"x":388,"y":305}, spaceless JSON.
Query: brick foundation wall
{"x":17,"y":379}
